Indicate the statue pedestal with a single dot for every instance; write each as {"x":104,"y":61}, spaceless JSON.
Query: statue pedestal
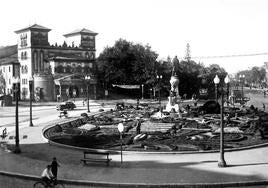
{"x":172,"y":104}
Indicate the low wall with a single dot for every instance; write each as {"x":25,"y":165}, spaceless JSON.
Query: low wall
{"x":15,"y":180}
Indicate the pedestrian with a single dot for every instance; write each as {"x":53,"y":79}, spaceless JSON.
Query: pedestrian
{"x":47,"y":176}
{"x":138,"y":125}
{"x":263,"y":105}
{"x":54,"y":167}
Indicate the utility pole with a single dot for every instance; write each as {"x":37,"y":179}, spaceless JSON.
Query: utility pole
{"x":187,"y":53}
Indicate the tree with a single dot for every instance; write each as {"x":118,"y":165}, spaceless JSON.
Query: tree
{"x":2,"y":84}
{"x":126,"y":63}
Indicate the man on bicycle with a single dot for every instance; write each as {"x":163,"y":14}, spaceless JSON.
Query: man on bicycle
{"x":47,"y":175}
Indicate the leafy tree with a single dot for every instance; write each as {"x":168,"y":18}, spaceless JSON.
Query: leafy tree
{"x":255,"y":76}
{"x":2,"y":84}
{"x":126,"y":63}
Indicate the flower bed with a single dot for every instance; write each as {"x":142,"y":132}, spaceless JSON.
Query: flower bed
{"x":243,"y":128}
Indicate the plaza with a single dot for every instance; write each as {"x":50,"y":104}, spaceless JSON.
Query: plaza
{"x":246,"y":167}
{"x":141,"y":93}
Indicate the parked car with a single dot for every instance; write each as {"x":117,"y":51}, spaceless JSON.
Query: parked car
{"x":66,"y":106}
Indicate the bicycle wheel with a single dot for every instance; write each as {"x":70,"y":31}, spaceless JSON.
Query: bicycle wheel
{"x":59,"y":185}
{"x":39,"y":184}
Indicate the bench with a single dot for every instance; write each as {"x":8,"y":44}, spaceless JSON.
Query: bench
{"x":4,"y":133}
{"x":63,"y":113}
{"x":94,"y":156}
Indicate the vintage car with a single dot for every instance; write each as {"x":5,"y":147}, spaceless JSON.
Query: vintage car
{"x":66,"y":106}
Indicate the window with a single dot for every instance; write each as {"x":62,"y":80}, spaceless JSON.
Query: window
{"x":26,"y":69}
{"x":35,"y":61}
{"x":9,"y":68}
{"x":25,"y":55}
{"x":42,"y":60}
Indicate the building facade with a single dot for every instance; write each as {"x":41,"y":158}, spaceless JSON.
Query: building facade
{"x":57,"y":71}
{"x":9,"y":68}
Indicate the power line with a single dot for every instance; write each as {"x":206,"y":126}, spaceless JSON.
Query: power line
{"x":229,"y":56}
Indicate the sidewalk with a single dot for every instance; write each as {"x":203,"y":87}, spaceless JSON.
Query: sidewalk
{"x":138,"y":168}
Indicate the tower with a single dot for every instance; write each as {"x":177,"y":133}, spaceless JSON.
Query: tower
{"x":84,"y":39}
{"x":32,"y":45}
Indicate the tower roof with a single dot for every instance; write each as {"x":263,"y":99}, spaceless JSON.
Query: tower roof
{"x":79,"y":32}
{"x":33,"y":27}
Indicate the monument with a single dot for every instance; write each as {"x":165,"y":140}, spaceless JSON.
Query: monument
{"x":174,"y":90}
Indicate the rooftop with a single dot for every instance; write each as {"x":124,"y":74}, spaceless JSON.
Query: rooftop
{"x":79,"y":32}
{"x":33,"y":27}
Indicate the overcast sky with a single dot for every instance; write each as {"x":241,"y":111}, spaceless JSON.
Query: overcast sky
{"x":211,"y":27}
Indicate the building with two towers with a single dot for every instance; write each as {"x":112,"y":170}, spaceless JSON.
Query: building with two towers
{"x":58,"y":70}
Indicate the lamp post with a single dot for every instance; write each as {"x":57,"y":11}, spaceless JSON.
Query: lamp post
{"x":221,"y":162}
{"x":216,"y":82}
{"x":87,"y":78}
{"x":159,"y":77}
{"x":242,"y":77}
{"x":16,"y":81}
{"x":31,"y":98}
{"x":121,"y":129}
{"x":227,"y":82}
{"x":142,"y":91}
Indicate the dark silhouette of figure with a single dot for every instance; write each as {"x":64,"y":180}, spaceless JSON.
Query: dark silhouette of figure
{"x":54,"y":167}
{"x":138,"y":125}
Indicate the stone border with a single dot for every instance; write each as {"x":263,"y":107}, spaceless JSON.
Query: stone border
{"x":106,"y":184}
{"x":145,"y":152}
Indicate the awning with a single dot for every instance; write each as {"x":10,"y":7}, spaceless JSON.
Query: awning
{"x":127,"y":86}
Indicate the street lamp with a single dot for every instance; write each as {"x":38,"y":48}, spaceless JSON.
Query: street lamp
{"x":221,"y":162}
{"x":216,"y":82}
{"x":227,"y":82}
{"x":31,"y":98}
{"x":142,"y":91}
{"x":16,"y":81}
{"x":159,"y":77}
{"x":242,"y":77}
{"x":121,"y":129}
{"x":87,"y":78}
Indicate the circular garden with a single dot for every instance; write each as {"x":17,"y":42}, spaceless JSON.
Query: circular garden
{"x":148,"y":129}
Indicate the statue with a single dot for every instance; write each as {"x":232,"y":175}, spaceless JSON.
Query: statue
{"x":174,"y":89}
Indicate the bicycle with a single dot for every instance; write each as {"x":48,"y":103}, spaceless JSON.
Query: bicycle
{"x":43,"y":184}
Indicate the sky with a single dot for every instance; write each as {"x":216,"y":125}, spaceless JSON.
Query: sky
{"x":211,"y":27}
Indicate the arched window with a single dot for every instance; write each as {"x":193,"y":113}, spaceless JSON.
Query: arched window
{"x":25,"y":55}
{"x":42,"y":61}
{"x":68,"y":69}
{"x":79,"y":69}
{"x":87,"y":55}
{"x":59,"y":69}
{"x":35,"y":61}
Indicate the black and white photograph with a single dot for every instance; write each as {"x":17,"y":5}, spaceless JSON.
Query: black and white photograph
{"x":134,"y":93}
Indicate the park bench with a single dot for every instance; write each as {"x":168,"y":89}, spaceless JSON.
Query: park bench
{"x":94,"y":156}
{"x":63,"y":114}
{"x":4,"y":133}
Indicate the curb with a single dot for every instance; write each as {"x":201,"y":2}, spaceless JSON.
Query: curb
{"x":148,"y":152}
{"x":110,"y":184}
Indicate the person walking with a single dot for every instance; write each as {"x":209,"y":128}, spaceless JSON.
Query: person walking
{"x":138,"y":125}
{"x":54,"y":167}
